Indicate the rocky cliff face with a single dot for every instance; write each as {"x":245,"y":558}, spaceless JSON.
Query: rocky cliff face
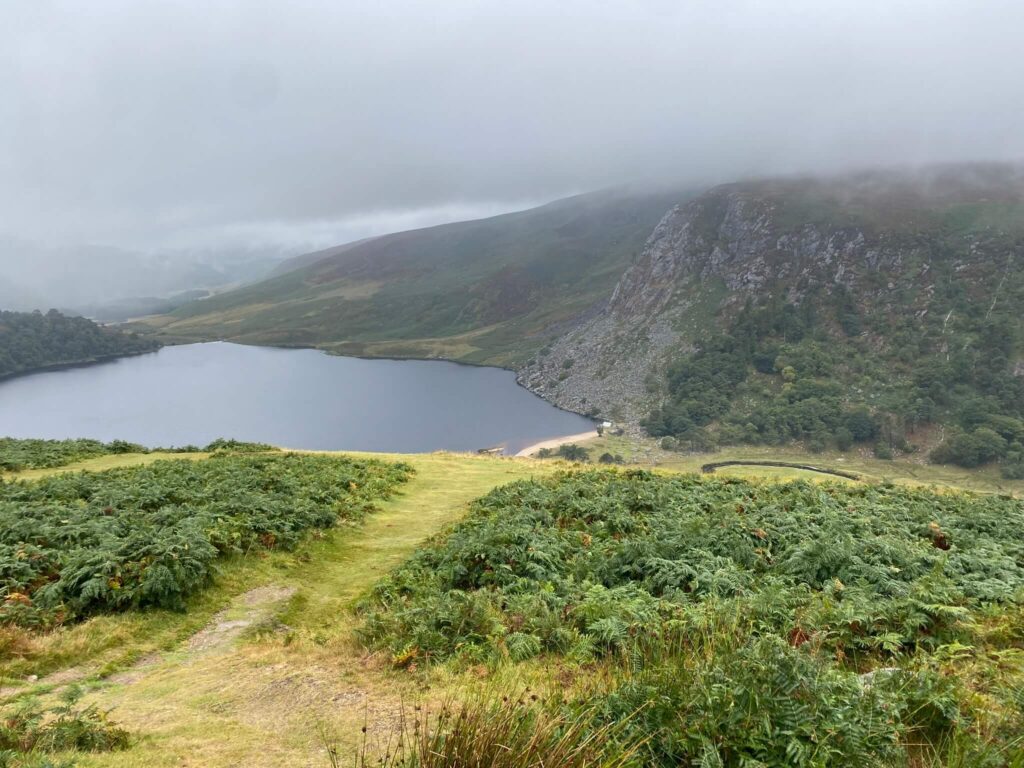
{"x":709,"y":256}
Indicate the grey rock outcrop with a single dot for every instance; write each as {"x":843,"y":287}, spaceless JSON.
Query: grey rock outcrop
{"x":708,"y":257}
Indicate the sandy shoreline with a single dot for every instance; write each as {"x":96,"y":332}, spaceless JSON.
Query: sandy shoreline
{"x":554,"y":442}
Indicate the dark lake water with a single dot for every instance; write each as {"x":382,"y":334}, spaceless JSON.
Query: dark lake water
{"x":292,"y":398}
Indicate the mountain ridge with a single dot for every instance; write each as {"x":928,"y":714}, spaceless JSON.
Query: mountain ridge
{"x":491,"y":291}
{"x":897,"y":271}
{"x":761,"y":311}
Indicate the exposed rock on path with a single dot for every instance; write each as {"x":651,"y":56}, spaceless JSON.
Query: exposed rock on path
{"x":252,"y":608}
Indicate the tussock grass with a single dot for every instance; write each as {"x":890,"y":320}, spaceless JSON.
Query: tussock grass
{"x":496,"y":729}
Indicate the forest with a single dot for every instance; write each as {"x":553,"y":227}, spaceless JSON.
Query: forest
{"x":720,"y":622}
{"x":32,"y":340}
{"x":824,"y":373}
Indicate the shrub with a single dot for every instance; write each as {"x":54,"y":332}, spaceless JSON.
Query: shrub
{"x":761,"y":703}
{"x":844,"y":439}
{"x":27,"y":727}
{"x":861,"y":425}
{"x":80,"y":543}
{"x":608,"y":554}
{"x":573,"y":452}
{"x":970,"y":449}
{"x":817,"y":443}
{"x":17,"y":455}
{"x":1013,"y":470}
{"x":701,"y":441}
{"x":237,"y":446}
{"x":737,"y":624}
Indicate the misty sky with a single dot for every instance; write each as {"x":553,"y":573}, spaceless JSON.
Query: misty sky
{"x":197,"y":123}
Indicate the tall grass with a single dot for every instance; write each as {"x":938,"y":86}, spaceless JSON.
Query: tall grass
{"x":496,"y":730}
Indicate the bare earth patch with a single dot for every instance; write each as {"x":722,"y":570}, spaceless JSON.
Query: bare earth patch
{"x":248,"y":610}
{"x":556,"y":442}
{"x":252,"y":608}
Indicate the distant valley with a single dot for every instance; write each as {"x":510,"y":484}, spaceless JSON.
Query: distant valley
{"x":114,"y":284}
{"x":491,"y":291}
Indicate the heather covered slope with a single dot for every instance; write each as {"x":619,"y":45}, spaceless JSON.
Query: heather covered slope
{"x":492,"y":290}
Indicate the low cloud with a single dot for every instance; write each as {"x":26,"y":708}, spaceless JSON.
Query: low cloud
{"x":153,"y":125}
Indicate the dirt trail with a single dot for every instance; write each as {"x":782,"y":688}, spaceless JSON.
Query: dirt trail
{"x":248,"y":610}
{"x":221,"y":699}
{"x":256,"y":605}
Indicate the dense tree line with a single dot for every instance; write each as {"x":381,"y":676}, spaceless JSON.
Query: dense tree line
{"x":826,"y":373}
{"x":33,"y":340}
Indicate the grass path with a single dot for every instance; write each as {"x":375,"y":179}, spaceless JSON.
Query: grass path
{"x":913,"y":470}
{"x":262,"y":699}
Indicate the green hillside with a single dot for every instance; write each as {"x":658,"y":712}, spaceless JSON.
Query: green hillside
{"x":927,"y":339}
{"x":487,"y":291}
{"x":878,"y":309}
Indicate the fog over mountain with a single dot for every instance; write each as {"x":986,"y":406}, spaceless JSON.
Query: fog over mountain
{"x":226,"y":130}
{"x":81,"y":277}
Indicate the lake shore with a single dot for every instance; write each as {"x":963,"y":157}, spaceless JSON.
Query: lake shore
{"x":72,"y":364}
{"x":299,"y":398}
{"x":555,"y":442}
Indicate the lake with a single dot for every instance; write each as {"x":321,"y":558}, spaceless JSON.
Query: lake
{"x":293,"y":398}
